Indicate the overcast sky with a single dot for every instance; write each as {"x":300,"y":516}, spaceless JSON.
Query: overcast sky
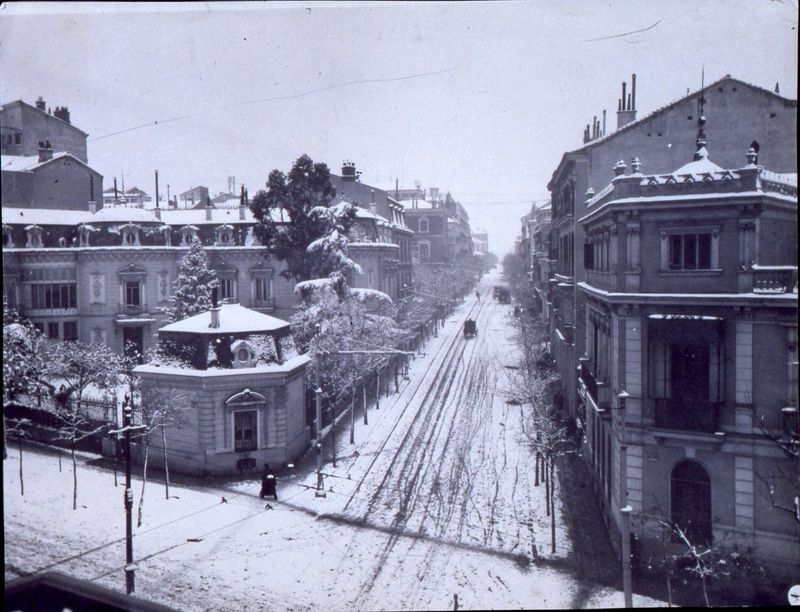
{"x":480,"y":99}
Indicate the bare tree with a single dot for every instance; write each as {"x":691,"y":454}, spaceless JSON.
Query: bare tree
{"x":77,"y":367}
{"x":18,"y":428}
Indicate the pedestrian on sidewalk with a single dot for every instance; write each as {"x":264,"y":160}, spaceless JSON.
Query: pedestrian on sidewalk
{"x":269,"y":484}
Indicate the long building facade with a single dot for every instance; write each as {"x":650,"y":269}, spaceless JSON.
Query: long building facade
{"x":688,"y":386}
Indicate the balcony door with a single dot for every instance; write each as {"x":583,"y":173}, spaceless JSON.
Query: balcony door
{"x":689,"y":381}
{"x":691,"y":501}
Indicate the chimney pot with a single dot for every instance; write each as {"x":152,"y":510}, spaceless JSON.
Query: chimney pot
{"x":40,"y":104}
{"x":45,"y":152}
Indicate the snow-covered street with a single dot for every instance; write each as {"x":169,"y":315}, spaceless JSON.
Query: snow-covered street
{"x":435,"y":500}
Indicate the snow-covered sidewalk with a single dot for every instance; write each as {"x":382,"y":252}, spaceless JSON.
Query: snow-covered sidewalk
{"x":434,"y":499}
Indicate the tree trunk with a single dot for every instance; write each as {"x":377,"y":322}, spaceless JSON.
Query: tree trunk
{"x":59,"y":459}
{"x":74,"y":477}
{"x":552,"y":510}
{"x":166,"y":462}
{"x":144,"y":482}
{"x":546,"y":488}
{"x":705,"y":590}
{"x":536,"y":471}
{"x":669,"y":592}
{"x":364,"y":388}
{"x":21,"y":481}
{"x":115,"y":462}
{"x":353,"y":418}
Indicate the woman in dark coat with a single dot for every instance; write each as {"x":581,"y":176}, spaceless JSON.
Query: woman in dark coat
{"x":268,"y":483}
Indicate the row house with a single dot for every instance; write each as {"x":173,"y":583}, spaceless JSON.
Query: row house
{"x":23,"y":127}
{"x":389,"y":216}
{"x":537,"y":235}
{"x":663,"y":140}
{"x":687,"y":372}
{"x":108,"y":276}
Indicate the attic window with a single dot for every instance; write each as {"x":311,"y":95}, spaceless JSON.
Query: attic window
{"x":690,"y":117}
{"x":17,"y":138}
{"x":720,"y":89}
{"x":773,"y":115}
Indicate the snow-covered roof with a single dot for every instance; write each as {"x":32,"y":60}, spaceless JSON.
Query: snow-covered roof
{"x":45,"y":216}
{"x":271,"y":368}
{"x":219,"y":216}
{"x":420,"y":203}
{"x":123,"y":214}
{"x":29,"y":163}
{"x":698,"y":166}
{"x":233,"y":319}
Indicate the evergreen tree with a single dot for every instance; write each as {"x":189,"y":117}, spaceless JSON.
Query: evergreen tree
{"x":293,"y":199}
{"x":191,"y":291}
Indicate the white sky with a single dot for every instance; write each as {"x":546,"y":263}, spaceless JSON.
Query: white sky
{"x":480,"y":99}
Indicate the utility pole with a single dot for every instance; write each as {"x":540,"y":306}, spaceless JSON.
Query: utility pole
{"x":364,"y":390}
{"x":353,"y":417}
{"x":127,"y":428}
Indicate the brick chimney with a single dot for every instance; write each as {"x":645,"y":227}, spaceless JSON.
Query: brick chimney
{"x":373,"y":207}
{"x":348,"y":171}
{"x":62,"y":112}
{"x":45,"y":151}
{"x":208,"y":209}
{"x":40,"y":104}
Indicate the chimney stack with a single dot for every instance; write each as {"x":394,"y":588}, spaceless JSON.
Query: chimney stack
{"x":40,"y":104}
{"x":208,"y":209}
{"x":62,"y":112}
{"x":45,"y":151}
{"x":373,"y":208}
{"x":348,"y":171}
{"x":92,"y":207}
{"x":626,"y":106}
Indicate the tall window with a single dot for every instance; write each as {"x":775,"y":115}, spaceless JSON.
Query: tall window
{"x":424,"y":252}
{"x":691,"y":501}
{"x":132,"y":293}
{"x":245,"y":430}
{"x":227,"y":288}
{"x":53,"y":295}
{"x":70,"y":330}
{"x":263,"y":289}
{"x":52,"y":330}
{"x":423,"y":225}
{"x":690,"y":252}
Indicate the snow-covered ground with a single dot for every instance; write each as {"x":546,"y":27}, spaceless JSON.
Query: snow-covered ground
{"x":436,"y":498}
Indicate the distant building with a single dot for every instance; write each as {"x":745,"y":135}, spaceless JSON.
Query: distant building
{"x":480,"y":241}
{"x":441,"y":230}
{"x":43,"y":160}
{"x":23,"y":127}
{"x":380,"y":205}
{"x":49,"y":180}
{"x":196,"y":197}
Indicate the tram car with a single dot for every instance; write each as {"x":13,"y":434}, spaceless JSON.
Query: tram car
{"x":470,"y":329}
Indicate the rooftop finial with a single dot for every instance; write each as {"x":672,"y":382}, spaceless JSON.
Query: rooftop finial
{"x":701,"y":119}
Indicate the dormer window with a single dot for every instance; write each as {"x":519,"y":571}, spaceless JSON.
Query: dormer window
{"x":8,"y":237}
{"x":34,"y":235}
{"x":84,"y":231}
{"x":130,"y":234}
{"x":243,"y":354}
{"x":225,"y":235}
{"x":188,"y":235}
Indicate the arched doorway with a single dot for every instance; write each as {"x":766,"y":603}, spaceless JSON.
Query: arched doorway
{"x":691,"y":501}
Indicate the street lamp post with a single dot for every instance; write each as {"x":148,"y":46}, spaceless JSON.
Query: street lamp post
{"x":127,"y":428}
{"x":626,"y":509}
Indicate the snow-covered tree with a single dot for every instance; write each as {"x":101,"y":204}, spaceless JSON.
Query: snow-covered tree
{"x":289,"y":218}
{"x":24,"y":356}
{"x":74,"y":368}
{"x":328,"y":325}
{"x":191,"y":291}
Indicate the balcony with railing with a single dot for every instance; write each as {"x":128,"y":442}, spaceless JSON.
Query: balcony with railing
{"x":774,"y":279}
{"x":698,"y":416}
{"x":131,"y":309}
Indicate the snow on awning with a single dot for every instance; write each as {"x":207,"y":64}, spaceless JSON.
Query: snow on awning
{"x":137,"y":321}
{"x":684,"y":317}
